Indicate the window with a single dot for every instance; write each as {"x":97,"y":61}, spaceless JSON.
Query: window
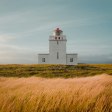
{"x":55,"y":38}
{"x":58,"y":37}
{"x":43,"y":59}
{"x":71,"y":59}
{"x":57,"y":55}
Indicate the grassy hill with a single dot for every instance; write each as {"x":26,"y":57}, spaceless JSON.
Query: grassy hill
{"x":66,"y":71}
{"x":34,"y":94}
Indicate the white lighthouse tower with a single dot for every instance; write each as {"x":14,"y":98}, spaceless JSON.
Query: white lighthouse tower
{"x":57,"y":51}
{"x":57,"y":47}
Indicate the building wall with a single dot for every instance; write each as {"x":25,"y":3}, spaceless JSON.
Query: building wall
{"x":57,"y":50}
{"x":41,"y":58}
{"x":70,"y":58}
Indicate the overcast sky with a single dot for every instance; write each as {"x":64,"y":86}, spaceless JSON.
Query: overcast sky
{"x":25,"y":26}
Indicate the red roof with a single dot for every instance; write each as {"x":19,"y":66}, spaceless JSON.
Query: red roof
{"x":58,"y":29}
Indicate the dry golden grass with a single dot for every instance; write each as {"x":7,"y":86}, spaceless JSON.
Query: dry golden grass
{"x":33,"y":94}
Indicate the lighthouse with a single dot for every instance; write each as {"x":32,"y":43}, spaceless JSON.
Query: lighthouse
{"x":57,"y":51}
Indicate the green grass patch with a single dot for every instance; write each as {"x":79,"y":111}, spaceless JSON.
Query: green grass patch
{"x":66,"y":71}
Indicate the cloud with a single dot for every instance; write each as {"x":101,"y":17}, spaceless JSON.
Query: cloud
{"x":6,"y":38}
{"x":11,"y":54}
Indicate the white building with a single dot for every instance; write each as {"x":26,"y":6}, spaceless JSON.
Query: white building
{"x":57,"y":51}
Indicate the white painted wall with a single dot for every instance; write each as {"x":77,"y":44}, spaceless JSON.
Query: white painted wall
{"x":74,"y":56}
{"x":46,"y":56}
{"x":57,"y":51}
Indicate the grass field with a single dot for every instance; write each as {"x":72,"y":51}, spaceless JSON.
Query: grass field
{"x":34,"y":94}
{"x":55,"y":70}
{"x":56,"y":88}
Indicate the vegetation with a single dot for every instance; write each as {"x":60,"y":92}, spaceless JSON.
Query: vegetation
{"x":34,"y":94}
{"x":80,"y":92}
{"x":66,"y":71}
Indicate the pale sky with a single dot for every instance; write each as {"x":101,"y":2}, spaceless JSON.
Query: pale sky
{"x":25,"y":26}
